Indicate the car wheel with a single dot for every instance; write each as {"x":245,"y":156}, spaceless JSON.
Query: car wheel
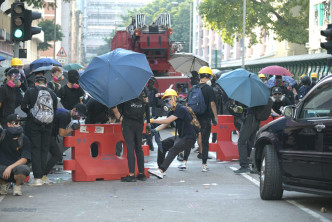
{"x":270,"y":177}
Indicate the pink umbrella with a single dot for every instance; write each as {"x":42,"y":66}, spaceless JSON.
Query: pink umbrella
{"x":275,"y":70}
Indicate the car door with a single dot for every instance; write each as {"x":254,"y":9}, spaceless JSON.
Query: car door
{"x":303,"y":146}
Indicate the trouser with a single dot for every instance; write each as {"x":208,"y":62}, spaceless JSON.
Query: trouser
{"x":56,"y":155}
{"x":186,"y":154}
{"x":153,"y":110}
{"x":206,"y":130}
{"x":174,"y":146}
{"x":132,"y":133}
{"x":247,"y":138}
{"x":18,"y":170}
{"x":39,"y":136}
{"x":214,"y":137}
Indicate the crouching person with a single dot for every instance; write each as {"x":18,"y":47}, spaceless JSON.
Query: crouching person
{"x":185,"y":139}
{"x":14,"y":154}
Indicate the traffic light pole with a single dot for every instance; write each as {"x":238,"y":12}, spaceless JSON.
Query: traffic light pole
{"x":16,"y":43}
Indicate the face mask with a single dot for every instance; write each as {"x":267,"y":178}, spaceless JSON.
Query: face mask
{"x":15,"y":131}
{"x":209,"y":82}
{"x":278,"y":98}
{"x":11,"y":84}
{"x":76,"y":86}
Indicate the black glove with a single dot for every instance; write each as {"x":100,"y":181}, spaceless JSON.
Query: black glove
{"x":214,"y":121}
{"x":75,"y":126}
{"x":148,"y":129}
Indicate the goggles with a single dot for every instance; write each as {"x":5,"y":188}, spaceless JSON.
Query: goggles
{"x":277,"y":94}
{"x":167,"y":100}
{"x":16,"y":76}
{"x":15,"y":123}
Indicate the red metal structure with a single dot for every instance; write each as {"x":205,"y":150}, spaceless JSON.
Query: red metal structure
{"x":154,"y":41}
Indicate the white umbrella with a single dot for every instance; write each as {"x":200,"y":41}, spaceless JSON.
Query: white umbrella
{"x":187,"y":62}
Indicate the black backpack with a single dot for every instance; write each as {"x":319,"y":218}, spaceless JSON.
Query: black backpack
{"x":262,"y":113}
{"x":134,"y":109}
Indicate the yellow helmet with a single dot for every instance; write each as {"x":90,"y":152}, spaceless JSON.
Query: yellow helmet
{"x":303,"y":75}
{"x":314,"y":75}
{"x":16,"y":62}
{"x":261,"y":76}
{"x":170,"y":92}
{"x":205,"y":70}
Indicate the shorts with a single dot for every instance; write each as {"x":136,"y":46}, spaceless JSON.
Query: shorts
{"x":20,"y":169}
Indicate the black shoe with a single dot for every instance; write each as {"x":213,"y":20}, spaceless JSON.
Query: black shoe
{"x":180,"y":157}
{"x":242,"y":170}
{"x":199,"y":156}
{"x":128,"y":179}
{"x":151,"y":148}
{"x":141,"y":177}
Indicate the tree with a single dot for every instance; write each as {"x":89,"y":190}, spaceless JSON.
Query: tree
{"x":48,"y":28}
{"x":103,"y":49}
{"x":180,"y":17}
{"x":42,"y":3}
{"x":288,"y":19}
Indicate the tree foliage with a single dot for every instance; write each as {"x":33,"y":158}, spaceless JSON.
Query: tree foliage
{"x":103,"y":49}
{"x":42,"y":3}
{"x":288,"y":19}
{"x":180,"y":17}
{"x":48,"y":28}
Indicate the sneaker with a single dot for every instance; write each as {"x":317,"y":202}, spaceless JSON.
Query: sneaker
{"x":183,"y":166}
{"x":4,"y":188}
{"x":128,"y":179}
{"x":180,"y":157}
{"x":205,"y":168}
{"x":242,"y":170}
{"x":17,"y":190}
{"x":156,"y":173}
{"x":141,"y":177}
{"x":164,"y":174}
{"x":36,"y":182}
{"x":46,"y":180}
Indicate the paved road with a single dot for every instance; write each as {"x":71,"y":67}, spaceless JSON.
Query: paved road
{"x":190,"y":195}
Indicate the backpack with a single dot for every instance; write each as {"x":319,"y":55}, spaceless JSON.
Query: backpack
{"x":43,"y":111}
{"x":134,"y":109}
{"x":262,"y":113}
{"x":196,"y":100}
{"x":303,"y":91}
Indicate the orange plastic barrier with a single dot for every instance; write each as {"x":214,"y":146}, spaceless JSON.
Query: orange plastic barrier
{"x":106,"y":166}
{"x":225,"y":148}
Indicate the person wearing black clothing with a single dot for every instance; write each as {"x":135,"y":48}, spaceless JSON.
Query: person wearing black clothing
{"x":14,"y":154}
{"x":57,"y":76}
{"x":72,"y":93}
{"x":287,"y":91}
{"x":61,"y":127}
{"x":97,"y":113}
{"x":218,"y":94}
{"x":8,"y":95}
{"x":131,"y":116}
{"x":279,"y":101}
{"x":174,"y":145}
{"x":38,"y":132}
{"x":205,"y":74}
{"x":246,"y":139}
{"x":152,"y":96}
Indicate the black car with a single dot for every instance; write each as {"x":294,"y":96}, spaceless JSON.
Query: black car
{"x":295,"y":152}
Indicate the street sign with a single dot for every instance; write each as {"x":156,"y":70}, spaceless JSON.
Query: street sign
{"x":62,"y":53}
{"x":61,"y":60}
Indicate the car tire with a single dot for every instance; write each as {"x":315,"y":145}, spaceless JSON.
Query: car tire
{"x":270,"y":176}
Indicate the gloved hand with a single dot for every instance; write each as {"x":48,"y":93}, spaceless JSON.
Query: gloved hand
{"x":154,"y":132}
{"x":215,"y":121}
{"x":75,"y":126}
{"x":148,"y":129}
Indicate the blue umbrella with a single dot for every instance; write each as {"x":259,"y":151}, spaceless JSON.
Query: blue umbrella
{"x":2,"y":58}
{"x":244,"y":87}
{"x":116,"y":77}
{"x":271,"y":82}
{"x":43,"y":62}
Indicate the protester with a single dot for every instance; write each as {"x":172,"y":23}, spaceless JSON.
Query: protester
{"x":14,"y":154}
{"x":72,"y":93}
{"x":8,"y":94}
{"x":173,"y":145}
{"x":16,"y":63}
{"x":131,"y":115}
{"x":40,"y":104}
{"x":57,"y":76}
{"x":62,"y":127}
{"x":305,"y":87}
{"x":314,"y":78}
{"x":152,"y":96}
{"x":279,"y":101}
{"x":218,"y":94}
{"x":288,"y":92}
{"x":210,"y":113}
{"x":263,"y":78}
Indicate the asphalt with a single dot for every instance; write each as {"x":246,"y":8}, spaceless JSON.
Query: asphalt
{"x":190,"y":195}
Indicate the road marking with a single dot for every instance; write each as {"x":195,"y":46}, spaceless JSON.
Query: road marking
{"x":301,"y":207}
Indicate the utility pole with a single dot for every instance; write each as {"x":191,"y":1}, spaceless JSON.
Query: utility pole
{"x":190,"y":26}
{"x":17,"y":43}
{"x":54,"y":29}
{"x":243,"y":34}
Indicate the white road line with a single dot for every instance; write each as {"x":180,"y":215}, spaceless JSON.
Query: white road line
{"x":301,"y":207}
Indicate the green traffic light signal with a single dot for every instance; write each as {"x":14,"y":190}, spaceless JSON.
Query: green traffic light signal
{"x":18,"y":33}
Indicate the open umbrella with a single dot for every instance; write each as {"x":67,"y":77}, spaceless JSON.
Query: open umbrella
{"x":75,"y":66}
{"x":187,"y":62}
{"x":2,"y":58}
{"x":271,"y":82}
{"x":116,"y":77}
{"x":276,"y":71}
{"x":244,"y":87}
{"x":43,"y":62}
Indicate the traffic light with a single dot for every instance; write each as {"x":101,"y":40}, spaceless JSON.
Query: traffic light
{"x":28,"y":29}
{"x":17,"y":21}
{"x":328,"y":34}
